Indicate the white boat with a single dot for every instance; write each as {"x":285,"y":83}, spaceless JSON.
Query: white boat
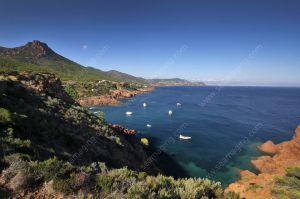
{"x":148,"y":125}
{"x":92,"y":108}
{"x":128,"y":113}
{"x":170,"y":112}
{"x":178,"y":104}
{"x":184,"y":137}
{"x":144,"y":105}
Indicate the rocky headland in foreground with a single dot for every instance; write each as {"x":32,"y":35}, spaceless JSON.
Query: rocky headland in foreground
{"x":273,"y":169}
{"x":51,"y":147}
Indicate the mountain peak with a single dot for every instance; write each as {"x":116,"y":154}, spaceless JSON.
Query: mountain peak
{"x":42,"y":49}
{"x":32,"y":51}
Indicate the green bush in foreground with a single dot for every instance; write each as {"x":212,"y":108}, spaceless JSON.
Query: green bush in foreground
{"x":98,"y":181}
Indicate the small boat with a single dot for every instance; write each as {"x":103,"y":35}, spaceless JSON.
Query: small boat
{"x":92,"y":108}
{"x":148,"y":125}
{"x":184,"y":137}
{"x":144,"y":104}
{"x":170,"y":112}
{"x":128,"y":113}
{"x":178,"y":104}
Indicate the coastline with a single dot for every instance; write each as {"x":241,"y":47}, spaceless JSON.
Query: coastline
{"x":113,"y":98}
{"x":278,"y":158}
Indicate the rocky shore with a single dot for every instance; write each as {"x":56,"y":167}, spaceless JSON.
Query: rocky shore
{"x":279,"y":157}
{"x":113,"y":98}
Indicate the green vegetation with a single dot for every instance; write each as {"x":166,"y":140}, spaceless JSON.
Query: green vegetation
{"x":254,"y":186}
{"x":65,"y":69}
{"x":145,"y":141}
{"x":288,"y":186}
{"x":5,"y":116}
{"x":106,"y":183}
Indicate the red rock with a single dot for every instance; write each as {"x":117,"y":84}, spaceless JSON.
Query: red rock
{"x":268,"y":147}
{"x":123,"y":130}
{"x":285,"y":154}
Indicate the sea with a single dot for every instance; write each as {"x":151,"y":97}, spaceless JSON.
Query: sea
{"x":226,"y":124}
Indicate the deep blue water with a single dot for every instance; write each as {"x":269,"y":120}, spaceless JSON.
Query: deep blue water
{"x":220,"y":120}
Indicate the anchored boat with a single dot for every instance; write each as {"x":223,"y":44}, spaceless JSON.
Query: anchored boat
{"x":184,"y":137}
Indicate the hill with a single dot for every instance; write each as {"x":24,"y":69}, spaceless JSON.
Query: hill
{"x":174,"y":82}
{"x":39,"y":57}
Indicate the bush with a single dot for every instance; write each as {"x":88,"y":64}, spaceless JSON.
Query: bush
{"x":5,"y":116}
{"x":231,"y":195}
{"x":288,"y":186}
{"x":71,"y":91}
{"x":145,"y":141}
{"x":295,"y":171}
{"x":104,"y":182}
{"x":53,"y":169}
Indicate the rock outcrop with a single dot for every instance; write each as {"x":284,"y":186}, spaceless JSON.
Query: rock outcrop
{"x":41,"y":83}
{"x":281,"y":156}
{"x":31,"y":52}
{"x":122,"y":129}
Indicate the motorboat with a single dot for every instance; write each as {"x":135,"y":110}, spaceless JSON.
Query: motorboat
{"x":128,"y":113}
{"x":184,"y":137}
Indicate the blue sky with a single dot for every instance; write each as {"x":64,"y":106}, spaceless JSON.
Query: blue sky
{"x":241,"y":42}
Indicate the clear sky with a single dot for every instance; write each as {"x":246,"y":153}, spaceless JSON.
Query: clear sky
{"x":243,"y":42}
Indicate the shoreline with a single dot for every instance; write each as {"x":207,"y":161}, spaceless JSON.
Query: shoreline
{"x":113,"y":98}
{"x":277,"y":158}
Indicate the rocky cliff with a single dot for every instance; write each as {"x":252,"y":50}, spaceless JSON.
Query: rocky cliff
{"x":280,"y":157}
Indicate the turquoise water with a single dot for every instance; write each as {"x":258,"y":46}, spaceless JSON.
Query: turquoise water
{"x":226,"y":124}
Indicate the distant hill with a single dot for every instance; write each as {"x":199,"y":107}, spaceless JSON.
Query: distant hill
{"x":39,"y":57}
{"x":119,"y":75}
{"x":174,"y":82}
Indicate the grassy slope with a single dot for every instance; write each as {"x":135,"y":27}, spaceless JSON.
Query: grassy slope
{"x":65,"y":69}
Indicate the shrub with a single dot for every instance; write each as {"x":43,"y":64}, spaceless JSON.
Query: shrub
{"x":53,"y":168}
{"x":142,"y":176}
{"x":145,"y":141}
{"x":288,"y":186}
{"x":295,"y":171}
{"x":254,"y":186}
{"x":104,"y":182}
{"x":5,"y":116}
{"x":231,"y":195}
{"x":71,"y":91}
